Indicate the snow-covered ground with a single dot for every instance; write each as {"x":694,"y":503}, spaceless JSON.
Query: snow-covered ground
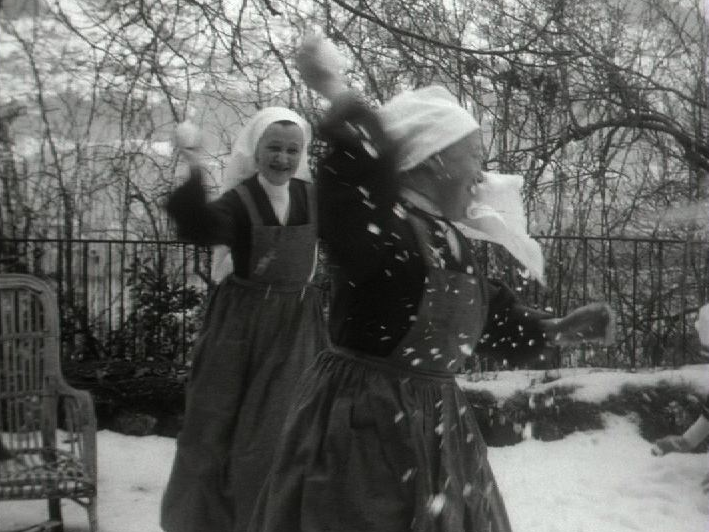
{"x":597,"y":481}
{"x":593,"y":385}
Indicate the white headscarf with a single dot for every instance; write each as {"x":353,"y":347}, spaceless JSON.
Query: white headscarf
{"x":242,"y":166}
{"x":425,"y":121}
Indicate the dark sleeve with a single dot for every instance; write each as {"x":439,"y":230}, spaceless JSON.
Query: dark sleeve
{"x":705,"y":408}
{"x":203,"y":222}
{"x":512,"y":332}
{"x":356,"y":188}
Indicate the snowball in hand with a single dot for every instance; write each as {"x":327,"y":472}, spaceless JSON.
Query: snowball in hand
{"x":188,"y":136}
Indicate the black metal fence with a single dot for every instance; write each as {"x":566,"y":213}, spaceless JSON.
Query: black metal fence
{"x":143,"y":299}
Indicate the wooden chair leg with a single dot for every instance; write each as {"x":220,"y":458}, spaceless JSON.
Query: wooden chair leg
{"x":55,"y":513}
{"x":93,"y":515}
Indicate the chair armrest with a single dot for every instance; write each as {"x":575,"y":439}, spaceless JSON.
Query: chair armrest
{"x":80,"y":423}
{"x":84,"y":402}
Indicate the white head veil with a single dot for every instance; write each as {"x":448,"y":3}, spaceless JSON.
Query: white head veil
{"x":423,"y":122}
{"x":242,"y":165}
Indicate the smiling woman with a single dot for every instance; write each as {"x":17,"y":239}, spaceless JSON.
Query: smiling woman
{"x":278,"y":152}
{"x":263,"y":324}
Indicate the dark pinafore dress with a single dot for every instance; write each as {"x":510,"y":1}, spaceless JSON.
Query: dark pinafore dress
{"x":390,"y":444}
{"x":259,"y":335}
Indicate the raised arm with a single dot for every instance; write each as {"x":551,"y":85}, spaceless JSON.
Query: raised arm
{"x":356,"y":185}
{"x":201,"y":221}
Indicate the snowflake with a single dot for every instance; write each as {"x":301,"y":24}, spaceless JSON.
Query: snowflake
{"x":408,"y":474}
{"x":399,"y":211}
{"x":436,"y":503}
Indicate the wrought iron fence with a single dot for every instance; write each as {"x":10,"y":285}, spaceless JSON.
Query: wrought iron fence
{"x":143,"y":299}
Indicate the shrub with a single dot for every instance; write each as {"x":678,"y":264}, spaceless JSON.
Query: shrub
{"x":662,"y":409}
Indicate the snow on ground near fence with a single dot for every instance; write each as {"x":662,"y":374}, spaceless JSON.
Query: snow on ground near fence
{"x":594,"y":384}
{"x":603,"y":480}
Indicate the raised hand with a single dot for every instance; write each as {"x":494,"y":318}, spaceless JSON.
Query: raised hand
{"x":320,"y":65}
{"x":188,"y":139}
{"x":592,"y":323}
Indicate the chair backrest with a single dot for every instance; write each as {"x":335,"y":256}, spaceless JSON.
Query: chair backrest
{"x":29,"y":358}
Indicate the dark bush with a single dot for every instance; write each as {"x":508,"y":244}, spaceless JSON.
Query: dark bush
{"x":663,"y":409}
{"x":123,"y":388}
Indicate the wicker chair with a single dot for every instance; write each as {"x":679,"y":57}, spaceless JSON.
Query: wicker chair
{"x":47,"y":428}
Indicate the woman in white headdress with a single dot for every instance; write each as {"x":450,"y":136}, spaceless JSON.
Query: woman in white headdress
{"x":380,"y":437}
{"x":263,"y":325}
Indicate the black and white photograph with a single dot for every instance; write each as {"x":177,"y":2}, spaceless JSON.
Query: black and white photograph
{"x":354,"y":266}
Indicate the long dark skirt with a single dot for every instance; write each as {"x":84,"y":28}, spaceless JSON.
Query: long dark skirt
{"x":254,"y":346}
{"x":373,"y":447}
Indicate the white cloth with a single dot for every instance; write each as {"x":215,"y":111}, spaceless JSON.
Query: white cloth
{"x":497,"y":215}
{"x":422,"y":122}
{"x":242,"y":165}
{"x":279,"y":197}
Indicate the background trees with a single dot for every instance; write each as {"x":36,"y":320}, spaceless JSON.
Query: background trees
{"x":600,"y":104}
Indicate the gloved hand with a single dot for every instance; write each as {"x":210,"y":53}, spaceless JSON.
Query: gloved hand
{"x":591,"y":323}
{"x":671,"y":444}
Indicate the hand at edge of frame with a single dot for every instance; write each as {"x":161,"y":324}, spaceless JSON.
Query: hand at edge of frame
{"x":670,"y":444}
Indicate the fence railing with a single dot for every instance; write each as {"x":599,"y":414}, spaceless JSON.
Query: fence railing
{"x":143,"y":299}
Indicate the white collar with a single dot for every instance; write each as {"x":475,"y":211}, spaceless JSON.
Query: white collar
{"x":273,"y":191}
